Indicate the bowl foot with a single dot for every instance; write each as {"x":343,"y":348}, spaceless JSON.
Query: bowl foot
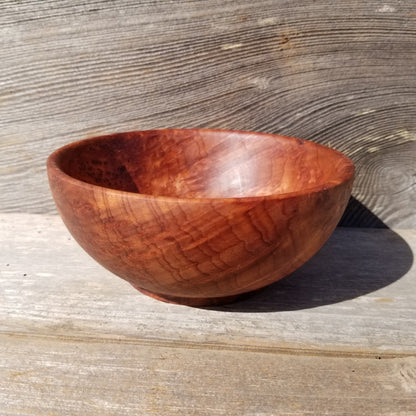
{"x":192,"y":301}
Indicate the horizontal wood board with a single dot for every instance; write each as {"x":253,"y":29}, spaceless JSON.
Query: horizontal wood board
{"x":357,"y":296}
{"x":337,"y":337}
{"x":43,"y":376}
{"x":339,"y":73}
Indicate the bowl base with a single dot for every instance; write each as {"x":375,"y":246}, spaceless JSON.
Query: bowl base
{"x":192,"y":301}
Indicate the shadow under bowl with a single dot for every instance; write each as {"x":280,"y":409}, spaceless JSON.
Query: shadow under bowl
{"x":199,"y":217}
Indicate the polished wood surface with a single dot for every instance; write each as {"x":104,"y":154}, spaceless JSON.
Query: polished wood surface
{"x":200,"y":216}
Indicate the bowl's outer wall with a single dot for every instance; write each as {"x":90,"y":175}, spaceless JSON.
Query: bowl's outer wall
{"x":197,"y":248}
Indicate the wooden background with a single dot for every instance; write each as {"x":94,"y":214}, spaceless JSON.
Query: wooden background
{"x":338,"y":336}
{"x":342,"y":73}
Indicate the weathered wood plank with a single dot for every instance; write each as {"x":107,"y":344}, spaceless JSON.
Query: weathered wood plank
{"x":337,"y":337}
{"x":44,"y":376}
{"x":356,"y":297}
{"x":340,"y":75}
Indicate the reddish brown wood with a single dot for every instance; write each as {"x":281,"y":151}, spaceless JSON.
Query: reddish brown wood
{"x":200,"y":216}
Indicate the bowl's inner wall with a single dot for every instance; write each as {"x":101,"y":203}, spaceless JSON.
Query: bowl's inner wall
{"x":203,"y":164}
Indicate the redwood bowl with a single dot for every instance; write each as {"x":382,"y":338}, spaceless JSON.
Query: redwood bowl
{"x":199,"y":217}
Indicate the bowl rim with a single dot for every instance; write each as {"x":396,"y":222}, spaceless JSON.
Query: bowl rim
{"x":53,"y":166}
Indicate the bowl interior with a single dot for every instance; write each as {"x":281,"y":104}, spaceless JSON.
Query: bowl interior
{"x":203,"y":163}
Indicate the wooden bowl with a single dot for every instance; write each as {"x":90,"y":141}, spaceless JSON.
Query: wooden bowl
{"x":199,"y":217}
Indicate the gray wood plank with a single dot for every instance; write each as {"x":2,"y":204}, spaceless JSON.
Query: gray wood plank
{"x":356,"y":297}
{"x":337,"y":337}
{"x":341,"y":75}
{"x":44,"y":376}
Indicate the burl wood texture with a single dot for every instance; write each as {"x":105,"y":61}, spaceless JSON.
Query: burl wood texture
{"x":207,"y":214}
{"x":339,"y":73}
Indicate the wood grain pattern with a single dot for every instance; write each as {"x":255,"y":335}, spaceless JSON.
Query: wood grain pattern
{"x":52,"y":376}
{"x":199,"y":216}
{"x":336,"y":337}
{"x":341,"y":75}
{"x":356,"y":297}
